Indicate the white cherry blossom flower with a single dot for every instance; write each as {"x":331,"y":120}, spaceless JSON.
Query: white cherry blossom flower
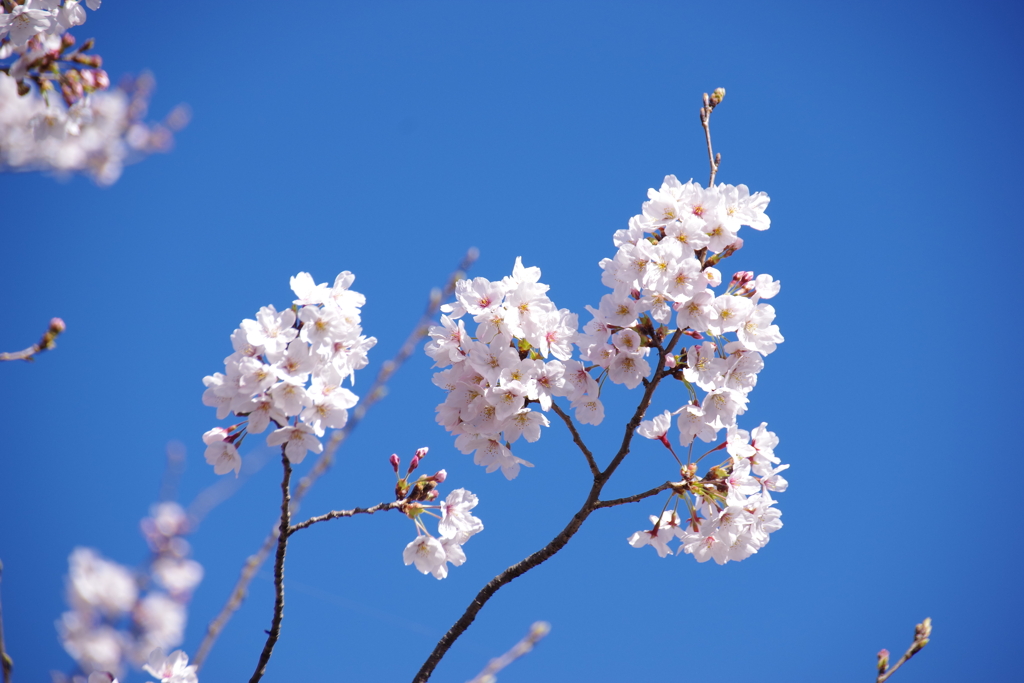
{"x":297,"y":440}
{"x":173,"y":668}
{"x":456,"y":521}
{"x":429,"y":556}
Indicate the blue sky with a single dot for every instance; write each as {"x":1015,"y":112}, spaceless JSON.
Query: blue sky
{"x":386,"y":139}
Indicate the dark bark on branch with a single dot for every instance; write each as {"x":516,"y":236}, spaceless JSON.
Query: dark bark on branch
{"x":282,"y":545}
{"x":558,"y":542}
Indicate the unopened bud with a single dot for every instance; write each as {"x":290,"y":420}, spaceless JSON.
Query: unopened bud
{"x":57,"y":326}
{"x":670,"y":362}
{"x":67,"y":40}
{"x":733,"y":248}
{"x":883,"y":661}
{"x":414,"y":464}
{"x":717,"y":97}
{"x":102,"y":79}
{"x":432,"y":495}
{"x":693,"y":333}
{"x":440,"y":476}
{"x":88,"y":60}
{"x":395,"y":462}
{"x":741,"y":278}
{"x":87,"y":45}
{"x":421,"y":452}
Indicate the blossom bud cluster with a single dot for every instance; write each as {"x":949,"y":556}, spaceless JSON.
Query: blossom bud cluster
{"x":730,"y":510}
{"x":119,"y":617}
{"x":456,"y":525}
{"x":287,"y":369}
{"x":87,"y":128}
{"x":514,"y":359}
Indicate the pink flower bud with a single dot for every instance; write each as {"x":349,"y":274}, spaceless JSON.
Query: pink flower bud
{"x":415,"y":463}
{"x":57,"y":326}
{"x":102,"y":79}
{"x":422,"y":452}
{"x":670,"y":362}
{"x":741,"y":278}
{"x":440,"y":476}
{"x":394,"y":460}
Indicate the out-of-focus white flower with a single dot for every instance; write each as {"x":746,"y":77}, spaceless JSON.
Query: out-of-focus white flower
{"x":94,"y":582}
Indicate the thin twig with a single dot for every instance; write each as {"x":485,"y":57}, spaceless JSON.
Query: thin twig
{"x":5,"y":661}
{"x":559,"y":541}
{"x":922,"y":633}
{"x":282,"y":545}
{"x":710,"y":102}
{"x":594,"y":469}
{"x":377,"y":391}
{"x":335,"y":514}
{"x":636,"y":498}
{"x":536,"y":634}
{"x":47,"y":342}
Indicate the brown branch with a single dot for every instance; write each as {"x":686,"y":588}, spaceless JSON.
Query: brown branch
{"x":335,"y":514}
{"x":282,"y":545}
{"x":922,"y":633}
{"x":376,"y":392}
{"x":594,"y":469}
{"x":47,"y":342}
{"x":5,"y":661}
{"x":537,"y":632}
{"x":635,"y":498}
{"x":705,"y":120}
{"x":558,"y":542}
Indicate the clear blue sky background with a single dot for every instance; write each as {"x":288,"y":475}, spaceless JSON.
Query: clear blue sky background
{"x":386,"y":139}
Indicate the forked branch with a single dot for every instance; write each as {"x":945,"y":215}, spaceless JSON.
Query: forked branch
{"x":376,"y":392}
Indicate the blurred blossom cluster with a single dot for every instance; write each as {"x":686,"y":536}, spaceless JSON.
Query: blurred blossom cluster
{"x":56,"y":112}
{"x":120,"y":618}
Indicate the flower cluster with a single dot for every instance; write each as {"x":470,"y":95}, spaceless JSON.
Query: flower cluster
{"x":456,"y":525}
{"x":87,"y":129}
{"x":730,"y":509}
{"x":318,"y":342}
{"x":663,"y":284}
{"x":496,"y":374}
{"x":664,"y":268}
{"x":120,"y":617}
